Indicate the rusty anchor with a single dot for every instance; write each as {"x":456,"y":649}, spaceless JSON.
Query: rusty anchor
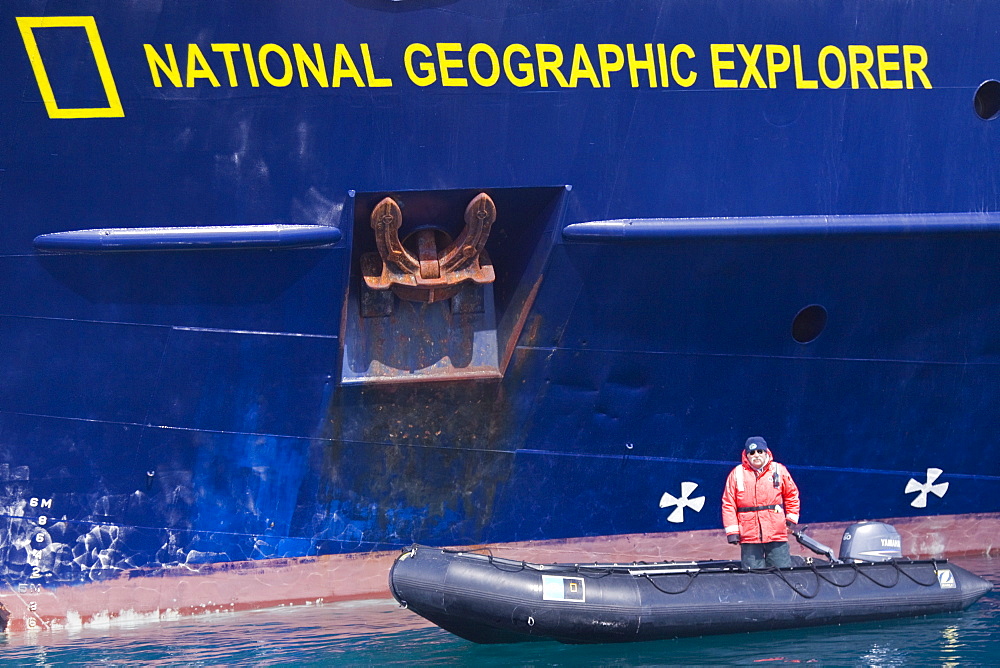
{"x":439,"y":266}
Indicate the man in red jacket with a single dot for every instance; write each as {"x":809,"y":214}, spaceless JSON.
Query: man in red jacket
{"x":759,"y":505}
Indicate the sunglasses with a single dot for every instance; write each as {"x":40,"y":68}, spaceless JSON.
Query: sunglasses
{"x":756,"y":452}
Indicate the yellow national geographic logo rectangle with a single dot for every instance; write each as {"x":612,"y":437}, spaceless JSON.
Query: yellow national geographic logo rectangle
{"x":558,"y":588}
{"x":28,"y":25}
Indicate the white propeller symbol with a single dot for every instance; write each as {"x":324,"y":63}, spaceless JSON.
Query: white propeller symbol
{"x":683,"y":502}
{"x":929,"y":486}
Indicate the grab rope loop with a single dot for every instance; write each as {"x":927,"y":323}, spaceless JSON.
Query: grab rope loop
{"x":468,"y":550}
{"x":781,"y":576}
{"x":916,"y":581}
{"x":691,"y":578}
{"x":519,"y":567}
{"x":834,"y":582}
{"x":896,"y":570}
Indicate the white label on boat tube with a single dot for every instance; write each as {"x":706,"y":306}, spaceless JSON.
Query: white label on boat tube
{"x":946,"y":579}
{"x":558,"y":588}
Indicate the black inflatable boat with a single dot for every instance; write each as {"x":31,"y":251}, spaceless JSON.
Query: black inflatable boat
{"x":487,"y":599}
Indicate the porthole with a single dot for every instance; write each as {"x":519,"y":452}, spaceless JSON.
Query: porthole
{"x":987,"y":100}
{"x":809,"y":323}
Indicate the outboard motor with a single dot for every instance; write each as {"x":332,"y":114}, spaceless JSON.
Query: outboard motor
{"x":870,"y":541}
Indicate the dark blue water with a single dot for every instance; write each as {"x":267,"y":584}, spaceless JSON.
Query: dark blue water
{"x":376,"y":633}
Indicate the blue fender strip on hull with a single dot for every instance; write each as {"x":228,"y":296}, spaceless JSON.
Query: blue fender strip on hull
{"x":188,"y":238}
{"x":652,"y":229}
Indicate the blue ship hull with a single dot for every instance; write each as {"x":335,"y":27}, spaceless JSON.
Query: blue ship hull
{"x":712,"y":221}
